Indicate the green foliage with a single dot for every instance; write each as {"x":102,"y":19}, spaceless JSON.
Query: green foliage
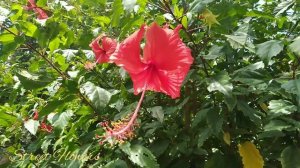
{"x":244,"y":83}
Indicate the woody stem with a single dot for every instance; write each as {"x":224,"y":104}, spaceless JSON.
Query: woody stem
{"x":133,"y":117}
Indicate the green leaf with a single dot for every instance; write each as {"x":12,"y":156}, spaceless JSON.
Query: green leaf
{"x":31,"y":81}
{"x":157,"y":112}
{"x":32,"y":126}
{"x":203,"y":136}
{"x":281,"y":107}
{"x":117,"y":12}
{"x":159,"y":147}
{"x":6,"y":119}
{"x":249,"y":112}
{"x":283,"y":6}
{"x":214,"y":52}
{"x":28,"y":28}
{"x":199,"y":117}
{"x":214,"y":121}
{"x":54,"y":44}
{"x":290,"y":157}
{"x":41,"y":3}
{"x":56,"y":104}
{"x":98,"y":96}
{"x":140,"y":155}
{"x":252,"y":78}
{"x":220,"y":82}
{"x":276,"y":125}
{"x":269,"y":49}
{"x":7,"y":37}
{"x":60,"y":120}
{"x":184,"y":22}
{"x":295,"y":46}
{"x":116,"y":164}
{"x":292,"y":86}
{"x":198,"y":5}
{"x":216,"y":160}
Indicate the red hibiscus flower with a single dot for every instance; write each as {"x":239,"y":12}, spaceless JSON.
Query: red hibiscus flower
{"x":45,"y":127}
{"x":41,"y":14}
{"x":103,"y":52}
{"x":165,"y":62}
{"x":35,"y":115}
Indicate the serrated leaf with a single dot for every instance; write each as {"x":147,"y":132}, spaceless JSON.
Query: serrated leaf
{"x":32,"y":126}
{"x":214,"y":52}
{"x":276,"y":125}
{"x":295,"y":46}
{"x":56,"y":104}
{"x":269,"y":49}
{"x":214,"y":121}
{"x":220,"y":82}
{"x":250,"y":155}
{"x":32,"y":81}
{"x":60,"y":120}
{"x":281,"y":107}
{"x":237,"y":41}
{"x":198,"y":5}
{"x":6,"y":119}
{"x":252,"y":78}
{"x":98,"y":96}
{"x":249,"y":112}
{"x":203,"y":136}
{"x":116,"y":164}
{"x":283,"y":6}
{"x":290,"y":157}
{"x":140,"y":155}
{"x":158,"y":113}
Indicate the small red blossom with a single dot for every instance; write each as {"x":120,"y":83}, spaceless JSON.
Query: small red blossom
{"x":165,"y":62}
{"x":45,"y":127}
{"x":35,"y":115}
{"x":41,"y":14}
{"x":105,"y":50}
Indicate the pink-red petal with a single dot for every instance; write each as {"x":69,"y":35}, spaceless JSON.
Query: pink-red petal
{"x":165,"y":49}
{"x":167,"y":82}
{"x":128,"y":53}
{"x":103,"y":53}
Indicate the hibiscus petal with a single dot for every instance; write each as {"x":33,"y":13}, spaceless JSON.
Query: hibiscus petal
{"x":165,"y":49}
{"x":168,"y":82}
{"x":100,"y":53}
{"x":41,"y":14}
{"x":109,"y":45}
{"x":128,"y":53}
